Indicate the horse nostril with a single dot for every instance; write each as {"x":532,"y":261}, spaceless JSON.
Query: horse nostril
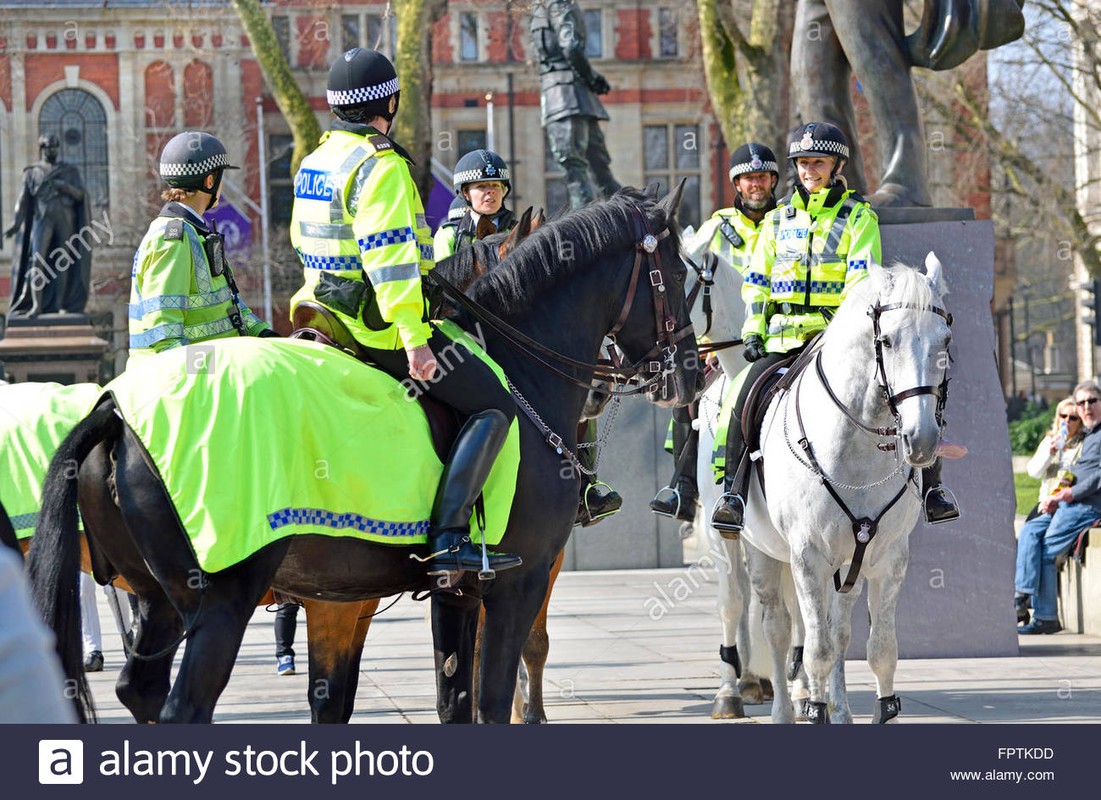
{"x":700,"y":382}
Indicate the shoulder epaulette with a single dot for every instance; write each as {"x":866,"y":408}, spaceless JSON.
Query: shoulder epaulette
{"x":380,"y":142}
{"x":174,"y":229}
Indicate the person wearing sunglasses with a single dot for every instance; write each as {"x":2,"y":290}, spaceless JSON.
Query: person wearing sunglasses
{"x":1062,"y":516}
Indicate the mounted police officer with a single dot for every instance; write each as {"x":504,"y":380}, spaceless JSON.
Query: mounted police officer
{"x":570,"y":110}
{"x":812,"y":248}
{"x":730,"y":235}
{"x":482,"y":181}
{"x":358,"y":226}
{"x":182,"y":291}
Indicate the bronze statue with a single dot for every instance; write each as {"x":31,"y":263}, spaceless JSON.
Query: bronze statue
{"x":569,"y":106}
{"x":835,"y":38}
{"x":52,"y":260}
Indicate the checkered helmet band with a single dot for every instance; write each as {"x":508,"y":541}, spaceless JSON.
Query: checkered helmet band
{"x":819,"y":146}
{"x":475,"y":175}
{"x":194,"y":170}
{"x":753,"y":165}
{"x":364,"y":94}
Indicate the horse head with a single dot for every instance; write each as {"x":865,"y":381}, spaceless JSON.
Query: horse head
{"x":911,"y":333}
{"x":658,"y":336}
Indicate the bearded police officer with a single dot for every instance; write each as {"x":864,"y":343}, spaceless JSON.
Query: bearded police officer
{"x":730,"y":235}
{"x":482,"y":181}
{"x":182,"y":291}
{"x":570,"y":109}
{"x":358,"y":226}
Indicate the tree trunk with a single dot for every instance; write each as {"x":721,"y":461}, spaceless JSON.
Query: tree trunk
{"x":277,"y":73}
{"x":413,"y":125}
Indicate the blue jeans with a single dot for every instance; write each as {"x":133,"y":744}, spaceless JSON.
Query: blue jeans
{"x":1043,"y":539}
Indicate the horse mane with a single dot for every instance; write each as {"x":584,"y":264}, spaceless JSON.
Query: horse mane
{"x":911,"y":285}
{"x":563,"y":247}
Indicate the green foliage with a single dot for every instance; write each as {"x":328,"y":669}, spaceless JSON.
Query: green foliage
{"x":1026,"y":433}
{"x":1027,"y":490}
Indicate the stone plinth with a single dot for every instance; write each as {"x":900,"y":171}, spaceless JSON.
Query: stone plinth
{"x":53,"y":347}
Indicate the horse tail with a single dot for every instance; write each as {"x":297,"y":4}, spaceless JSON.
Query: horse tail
{"x":53,"y":563}
{"x":7,"y":532}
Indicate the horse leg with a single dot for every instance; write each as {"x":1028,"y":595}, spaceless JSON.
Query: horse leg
{"x":454,"y":629}
{"x":841,"y":613}
{"x":882,"y":637}
{"x":530,"y":710}
{"x":812,"y":586}
{"x":336,"y":635}
{"x":143,"y":683}
{"x":797,"y":674}
{"x":732,"y":577}
{"x":765,"y":576}
{"x":754,"y":687}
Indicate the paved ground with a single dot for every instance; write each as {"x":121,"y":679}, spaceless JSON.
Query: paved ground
{"x":611,"y":662}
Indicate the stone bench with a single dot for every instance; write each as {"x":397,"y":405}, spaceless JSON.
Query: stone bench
{"x":1080,"y":585}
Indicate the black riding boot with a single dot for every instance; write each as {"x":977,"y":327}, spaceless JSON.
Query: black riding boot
{"x":468,"y":466}
{"x":679,"y":500}
{"x":597,"y":499}
{"x":729,"y":515}
{"x":940,"y":506}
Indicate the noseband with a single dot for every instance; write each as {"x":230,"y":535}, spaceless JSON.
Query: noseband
{"x":893,"y":399}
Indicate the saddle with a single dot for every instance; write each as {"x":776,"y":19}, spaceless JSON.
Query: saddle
{"x":775,"y":380}
{"x":315,"y":323}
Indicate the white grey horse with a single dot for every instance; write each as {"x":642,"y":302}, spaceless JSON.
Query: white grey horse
{"x":835,"y":492}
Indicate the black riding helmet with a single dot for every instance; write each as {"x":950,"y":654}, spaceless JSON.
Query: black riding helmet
{"x":363,"y":84}
{"x":189,"y":157}
{"x":481,"y":165}
{"x":819,"y":139}
{"x":753,"y":157}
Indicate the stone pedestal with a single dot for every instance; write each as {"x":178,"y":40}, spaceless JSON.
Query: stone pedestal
{"x":53,"y":347}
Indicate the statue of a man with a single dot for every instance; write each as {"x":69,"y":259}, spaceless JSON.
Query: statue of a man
{"x":52,"y":260}
{"x":570,"y":109}
{"x":836,"y":38}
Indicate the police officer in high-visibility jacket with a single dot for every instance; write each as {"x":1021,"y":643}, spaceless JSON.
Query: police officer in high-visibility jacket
{"x":182,"y":289}
{"x":482,"y":182}
{"x":730,"y":235}
{"x":812,"y":248}
{"x":358,"y":226}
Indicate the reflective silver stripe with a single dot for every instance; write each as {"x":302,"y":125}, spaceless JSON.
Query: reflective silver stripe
{"x":325,"y":230}
{"x":833,"y":241}
{"x":398,"y":272}
{"x":757,"y":308}
{"x":336,"y":206}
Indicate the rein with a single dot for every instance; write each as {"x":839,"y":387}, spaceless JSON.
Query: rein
{"x":865,"y":528}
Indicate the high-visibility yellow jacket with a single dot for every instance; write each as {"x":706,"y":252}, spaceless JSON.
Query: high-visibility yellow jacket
{"x":808,"y":254}
{"x":730,"y":235}
{"x":174,"y":297}
{"x":454,"y":235}
{"x":358,"y":225}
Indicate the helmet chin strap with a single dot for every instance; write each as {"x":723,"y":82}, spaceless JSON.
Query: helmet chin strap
{"x":214,"y":190}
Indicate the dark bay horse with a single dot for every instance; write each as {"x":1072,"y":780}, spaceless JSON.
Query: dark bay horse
{"x":614,"y":265}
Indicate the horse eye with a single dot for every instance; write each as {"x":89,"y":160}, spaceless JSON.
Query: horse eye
{"x":885,"y":342}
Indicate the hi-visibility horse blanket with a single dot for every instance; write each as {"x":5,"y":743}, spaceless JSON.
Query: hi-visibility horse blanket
{"x":259,"y":439}
{"x":34,"y":418}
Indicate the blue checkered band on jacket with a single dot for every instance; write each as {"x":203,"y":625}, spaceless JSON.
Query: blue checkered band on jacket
{"x":783,"y":287}
{"x":21,"y":522}
{"x":327,"y":519}
{"x":395,"y":236}
{"x":427,"y":253}
{"x":857,"y":264}
{"x":364,"y":94}
{"x":331,"y":263}
{"x":826,"y":287}
{"x":756,"y":278}
{"x":169,"y":170}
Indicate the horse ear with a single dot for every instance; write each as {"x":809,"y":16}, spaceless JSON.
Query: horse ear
{"x":651,"y":190}
{"x":934,"y":271}
{"x":518,"y":233}
{"x":671,"y":202}
{"x":539,"y":219}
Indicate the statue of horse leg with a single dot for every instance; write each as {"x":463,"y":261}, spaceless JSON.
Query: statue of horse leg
{"x":454,"y":629}
{"x":841,"y":633}
{"x":883,"y":595}
{"x":527,"y":707}
{"x":813,"y":585}
{"x":726,"y":555}
{"x":336,"y":633}
{"x":765,"y":574}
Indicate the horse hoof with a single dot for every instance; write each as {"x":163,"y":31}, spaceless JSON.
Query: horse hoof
{"x":728,"y":707}
{"x":752,"y":693}
{"x":767,"y":693}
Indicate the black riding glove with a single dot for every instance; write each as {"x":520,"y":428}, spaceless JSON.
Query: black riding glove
{"x":754,"y":347}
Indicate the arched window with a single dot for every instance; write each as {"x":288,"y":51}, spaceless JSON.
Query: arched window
{"x":78,"y":120}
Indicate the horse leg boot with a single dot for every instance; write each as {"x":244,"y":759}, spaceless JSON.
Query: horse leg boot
{"x":940,"y":506}
{"x":467,"y":469}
